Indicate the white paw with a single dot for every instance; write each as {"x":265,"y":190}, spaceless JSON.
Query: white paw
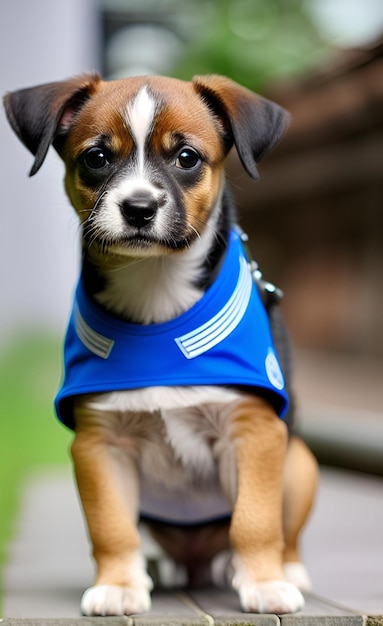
{"x":113,"y":600}
{"x":171,"y":574}
{"x":269,"y":597}
{"x":221,"y":569}
{"x":296,"y":573}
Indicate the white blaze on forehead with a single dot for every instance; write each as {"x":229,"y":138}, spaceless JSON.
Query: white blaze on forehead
{"x":140,"y":115}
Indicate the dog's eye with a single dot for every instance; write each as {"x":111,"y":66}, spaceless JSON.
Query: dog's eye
{"x":187,"y":158}
{"x":96,"y":158}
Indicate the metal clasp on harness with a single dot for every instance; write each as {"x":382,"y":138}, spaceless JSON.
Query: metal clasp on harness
{"x":270,"y":293}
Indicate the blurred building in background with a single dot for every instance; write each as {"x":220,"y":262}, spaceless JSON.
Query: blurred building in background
{"x":316,"y":216}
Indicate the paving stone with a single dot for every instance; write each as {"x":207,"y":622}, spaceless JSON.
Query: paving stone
{"x":223,"y":606}
{"x":171,"y":609}
{"x":247,"y":620}
{"x":320,"y":612}
{"x":374,"y":620}
{"x":82,"y":621}
{"x":217,"y":601}
{"x":343,"y":542}
{"x":322,"y":620}
{"x":170,"y":620}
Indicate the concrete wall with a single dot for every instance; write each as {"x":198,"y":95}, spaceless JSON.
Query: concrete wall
{"x":40,"y":41}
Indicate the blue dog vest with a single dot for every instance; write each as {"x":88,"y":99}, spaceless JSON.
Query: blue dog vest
{"x":224,"y":339}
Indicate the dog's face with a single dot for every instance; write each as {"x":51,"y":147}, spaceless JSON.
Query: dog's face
{"x":144,"y":156}
{"x":144,"y":165}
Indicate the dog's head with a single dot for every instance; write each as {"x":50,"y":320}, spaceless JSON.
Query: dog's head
{"x":144,"y":156}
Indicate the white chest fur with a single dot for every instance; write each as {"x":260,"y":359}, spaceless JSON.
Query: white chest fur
{"x":159,"y":288}
{"x":180,"y":438}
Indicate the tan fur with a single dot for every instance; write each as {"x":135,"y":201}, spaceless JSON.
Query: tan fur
{"x":256,"y":528}
{"x":300,"y":481}
{"x":112,"y":526}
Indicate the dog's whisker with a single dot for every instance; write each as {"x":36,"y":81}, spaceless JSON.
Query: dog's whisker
{"x":197,"y":219}
{"x":94,"y":208}
{"x":195,"y":231}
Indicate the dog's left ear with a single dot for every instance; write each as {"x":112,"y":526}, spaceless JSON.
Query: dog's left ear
{"x":253,"y":123}
{"x":42,"y":115}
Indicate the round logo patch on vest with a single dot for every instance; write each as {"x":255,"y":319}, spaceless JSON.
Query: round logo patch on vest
{"x":273,"y":371}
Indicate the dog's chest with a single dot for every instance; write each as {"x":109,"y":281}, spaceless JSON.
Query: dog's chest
{"x":179,"y":437}
{"x":157,"y":289}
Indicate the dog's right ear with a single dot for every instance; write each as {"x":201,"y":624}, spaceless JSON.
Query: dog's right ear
{"x":42,"y":115}
{"x":253,"y":123}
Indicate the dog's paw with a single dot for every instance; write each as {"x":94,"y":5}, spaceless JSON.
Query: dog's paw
{"x":297,"y":574}
{"x":221,"y":569}
{"x":269,"y":597}
{"x":113,"y":600}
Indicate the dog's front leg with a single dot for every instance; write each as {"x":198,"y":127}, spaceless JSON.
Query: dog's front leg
{"x":260,"y":439}
{"x":108,"y":486}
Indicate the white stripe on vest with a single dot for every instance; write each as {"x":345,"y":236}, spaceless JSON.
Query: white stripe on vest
{"x":98,"y":344}
{"x":220,"y":326}
{"x":195,"y":342}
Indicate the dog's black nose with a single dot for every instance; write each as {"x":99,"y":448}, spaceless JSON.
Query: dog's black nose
{"x":139,"y":209}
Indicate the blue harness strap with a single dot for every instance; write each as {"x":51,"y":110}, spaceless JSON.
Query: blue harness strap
{"x":224,"y":339}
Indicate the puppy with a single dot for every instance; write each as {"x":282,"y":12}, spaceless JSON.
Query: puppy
{"x":172,"y":382}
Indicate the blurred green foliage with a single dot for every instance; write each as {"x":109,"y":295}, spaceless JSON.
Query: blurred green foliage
{"x":30,"y":435}
{"x":251,"y":41}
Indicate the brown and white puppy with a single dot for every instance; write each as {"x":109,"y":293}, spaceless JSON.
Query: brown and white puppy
{"x":144,"y":161}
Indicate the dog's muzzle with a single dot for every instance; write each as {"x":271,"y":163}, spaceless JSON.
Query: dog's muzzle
{"x":139,"y":209}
